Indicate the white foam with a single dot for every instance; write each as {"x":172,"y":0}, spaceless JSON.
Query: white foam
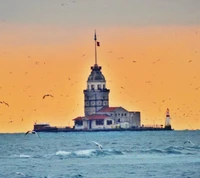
{"x":84,"y":152}
{"x":23,"y":156}
{"x":63,"y":153}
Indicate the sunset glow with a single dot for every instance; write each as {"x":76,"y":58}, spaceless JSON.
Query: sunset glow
{"x":157,"y":65}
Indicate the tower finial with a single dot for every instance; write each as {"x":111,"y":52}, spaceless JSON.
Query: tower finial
{"x":95,"y":42}
{"x":95,"y":36}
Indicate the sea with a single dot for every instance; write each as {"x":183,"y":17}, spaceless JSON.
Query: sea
{"x":126,"y":154}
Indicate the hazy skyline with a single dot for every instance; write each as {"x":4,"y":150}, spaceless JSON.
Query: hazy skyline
{"x":82,"y":13}
{"x":47,"y":47}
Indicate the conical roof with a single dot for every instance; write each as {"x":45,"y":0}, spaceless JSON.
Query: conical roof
{"x":96,"y":75}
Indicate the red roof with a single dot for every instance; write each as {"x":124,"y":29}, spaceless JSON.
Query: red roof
{"x":107,"y":109}
{"x":78,"y":118}
{"x":97,"y":117}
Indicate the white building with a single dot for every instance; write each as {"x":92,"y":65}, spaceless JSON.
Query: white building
{"x":98,"y":114}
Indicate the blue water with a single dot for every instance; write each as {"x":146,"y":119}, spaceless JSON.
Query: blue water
{"x":126,"y":154}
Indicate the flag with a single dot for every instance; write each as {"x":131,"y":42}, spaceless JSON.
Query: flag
{"x":98,"y":43}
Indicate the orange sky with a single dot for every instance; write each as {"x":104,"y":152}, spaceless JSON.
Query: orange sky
{"x":36,"y":60}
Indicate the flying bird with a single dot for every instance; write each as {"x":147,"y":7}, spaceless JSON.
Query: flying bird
{"x":188,"y":141}
{"x":99,"y":146}
{"x":32,"y":132}
{"x":156,"y":61}
{"x":3,"y":102}
{"x":47,"y":95}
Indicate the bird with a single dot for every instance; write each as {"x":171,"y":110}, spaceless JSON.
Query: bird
{"x":99,"y":146}
{"x":46,"y":96}
{"x":3,"y":102}
{"x":156,"y":61}
{"x":188,"y":141}
{"x":32,"y":132}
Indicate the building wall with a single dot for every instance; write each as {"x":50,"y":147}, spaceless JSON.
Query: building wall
{"x":85,"y":125}
{"x":105,"y":126}
{"x":94,"y":100}
{"x":78,"y":127}
{"x":121,"y":115}
{"x":134,"y":119}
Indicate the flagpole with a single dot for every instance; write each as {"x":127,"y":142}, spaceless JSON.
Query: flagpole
{"x":95,"y":41}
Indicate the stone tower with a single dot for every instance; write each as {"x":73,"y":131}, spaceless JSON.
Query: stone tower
{"x":96,"y":96}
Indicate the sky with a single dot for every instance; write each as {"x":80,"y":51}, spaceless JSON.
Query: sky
{"x":149,"y":53}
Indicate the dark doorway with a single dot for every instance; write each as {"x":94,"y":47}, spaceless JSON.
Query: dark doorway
{"x":90,"y":124}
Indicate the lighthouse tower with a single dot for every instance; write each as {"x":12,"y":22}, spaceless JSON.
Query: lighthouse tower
{"x":96,"y":96}
{"x":168,"y":120}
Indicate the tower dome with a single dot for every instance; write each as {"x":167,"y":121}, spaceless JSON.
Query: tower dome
{"x":96,"y":74}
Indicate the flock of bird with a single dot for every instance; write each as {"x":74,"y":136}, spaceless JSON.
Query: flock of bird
{"x":96,"y":143}
{"x":46,"y":95}
{"x":100,"y":147}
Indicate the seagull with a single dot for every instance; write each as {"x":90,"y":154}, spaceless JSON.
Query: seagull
{"x":47,"y":95}
{"x":32,"y":132}
{"x":99,"y":146}
{"x":6,"y":103}
{"x":3,"y":102}
{"x":188,"y":141}
{"x":156,"y":61}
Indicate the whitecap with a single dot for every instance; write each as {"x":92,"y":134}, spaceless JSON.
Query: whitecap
{"x":20,"y":173}
{"x":22,"y":156}
{"x":63,"y":153}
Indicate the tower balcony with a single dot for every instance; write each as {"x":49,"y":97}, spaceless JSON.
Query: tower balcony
{"x":96,"y":90}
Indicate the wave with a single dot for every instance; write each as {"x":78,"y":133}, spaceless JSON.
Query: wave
{"x":172,"y":150}
{"x":87,"y":153}
{"x":22,"y":156}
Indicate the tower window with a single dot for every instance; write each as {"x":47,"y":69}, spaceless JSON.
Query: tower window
{"x":99,"y":86}
{"x":92,"y":87}
{"x":104,"y":86}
